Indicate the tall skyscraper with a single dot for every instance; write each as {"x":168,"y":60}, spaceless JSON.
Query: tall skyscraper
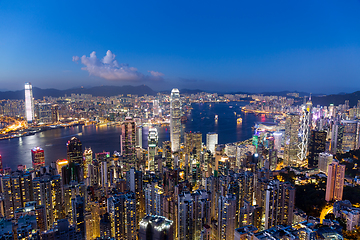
{"x":29,"y":103}
{"x":88,"y":158}
{"x":55,"y":115}
{"x":78,"y":212}
{"x":129,"y":141}
{"x":38,"y":158}
{"x":193,"y":143}
{"x":335,"y":182}
{"x":350,"y":139}
{"x":226,"y":217}
{"x":175,"y":120}
{"x":211,"y":141}
{"x":152,"y":148}
{"x":155,"y":228}
{"x":291,"y":140}
{"x":317,"y":141}
{"x":74,"y":151}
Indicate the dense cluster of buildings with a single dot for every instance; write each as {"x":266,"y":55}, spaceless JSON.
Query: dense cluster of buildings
{"x":180,"y":189}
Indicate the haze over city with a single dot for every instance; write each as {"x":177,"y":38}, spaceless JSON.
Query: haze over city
{"x":228,"y":46}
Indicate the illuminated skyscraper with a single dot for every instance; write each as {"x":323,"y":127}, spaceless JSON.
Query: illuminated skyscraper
{"x":44,"y":113}
{"x":317,"y":142}
{"x":129,"y":141}
{"x":29,"y":103}
{"x":55,"y":116}
{"x":193,"y":143}
{"x":211,"y":141}
{"x":335,"y":182}
{"x":88,"y":157}
{"x":38,"y":158}
{"x":74,"y":151}
{"x":350,"y":139}
{"x":152,"y":148}
{"x":153,"y":199}
{"x":155,"y":228}
{"x":175,"y":120}
{"x":226,"y":217}
{"x":291,"y":139}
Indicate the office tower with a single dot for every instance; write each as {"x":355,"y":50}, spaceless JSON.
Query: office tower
{"x":78,"y":210}
{"x":87,"y":159}
{"x":152,"y":148}
{"x":71,"y":172}
{"x":317,"y":143}
{"x":139,"y":138}
{"x":211,"y":141}
{"x":175,"y":120}
{"x":60,"y":163}
{"x":44,"y":112}
{"x":122,"y":210}
{"x":337,"y":137}
{"x":74,"y":151}
{"x":29,"y":103}
{"x":104,"y":176}
{"x":155,"y":228}
{"x":55,"y":115}
{"x":291,"y":140}
{"x":305,"y":121}
{"x":156,"y":108}
{"x":153,"y":199}
{"x":1,"y":165}
{"x":325,"y":159}
{"x":335,"y":182}
{"x":350,"y":139}
{"x":38,"y":158}
{"x":193,"y":144}
{"x":226,"y":217}
{"x":129,"y":141}
{"x":277,"y":140}
{"x":277,"y":201}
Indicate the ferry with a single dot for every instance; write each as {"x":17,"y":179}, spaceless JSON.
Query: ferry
{"x":216,"y":117}
{"x":239,"y":120}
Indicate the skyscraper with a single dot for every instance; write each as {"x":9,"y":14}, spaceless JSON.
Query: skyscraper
{"x":350,"y":139}
{"x":211,"y":141}
{"x":38,"y":158}
{"x":335,"y":181}
{"x":74,"y":151}
{"x":29,"y":103}
{"x":193,"y":143}
{"x":325,"y":159}
{"x":155,"y":228}
{"x":88,"y":157}
{"x":55,"y":116}
{"x":1,"y":165}
{"x":152,"y":148}
{"x":317,"y":142}
{"x":129,"y":140}
{"x":226,"y":217}
{"x":175,"y":120}
{"x":291,"y":139}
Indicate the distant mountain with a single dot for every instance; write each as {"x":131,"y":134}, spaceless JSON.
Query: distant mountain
{"x":105,"y":91}
{"x":337,"y":99}
{"x":284,"y":93}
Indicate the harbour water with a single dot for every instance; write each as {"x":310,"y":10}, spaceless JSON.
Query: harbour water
{"x":201,"y":118}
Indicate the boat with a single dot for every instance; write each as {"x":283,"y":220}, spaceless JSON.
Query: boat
{"x":216,"y":117}
{"x":239,"y":120}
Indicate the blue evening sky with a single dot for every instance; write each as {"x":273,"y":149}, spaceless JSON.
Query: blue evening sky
{"x":252,"y":46}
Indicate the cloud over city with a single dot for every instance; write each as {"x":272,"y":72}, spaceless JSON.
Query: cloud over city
{"x":109,"y":68}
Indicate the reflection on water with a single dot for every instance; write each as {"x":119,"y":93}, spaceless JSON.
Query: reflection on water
{"x":202,"y":118}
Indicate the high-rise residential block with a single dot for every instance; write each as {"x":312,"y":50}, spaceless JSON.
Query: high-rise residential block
{"x":335,"y":181}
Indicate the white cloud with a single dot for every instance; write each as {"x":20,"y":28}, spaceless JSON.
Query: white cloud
{"x":156,"y":74}
{"x":109,"y":68}
{"x":75,"y":59}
